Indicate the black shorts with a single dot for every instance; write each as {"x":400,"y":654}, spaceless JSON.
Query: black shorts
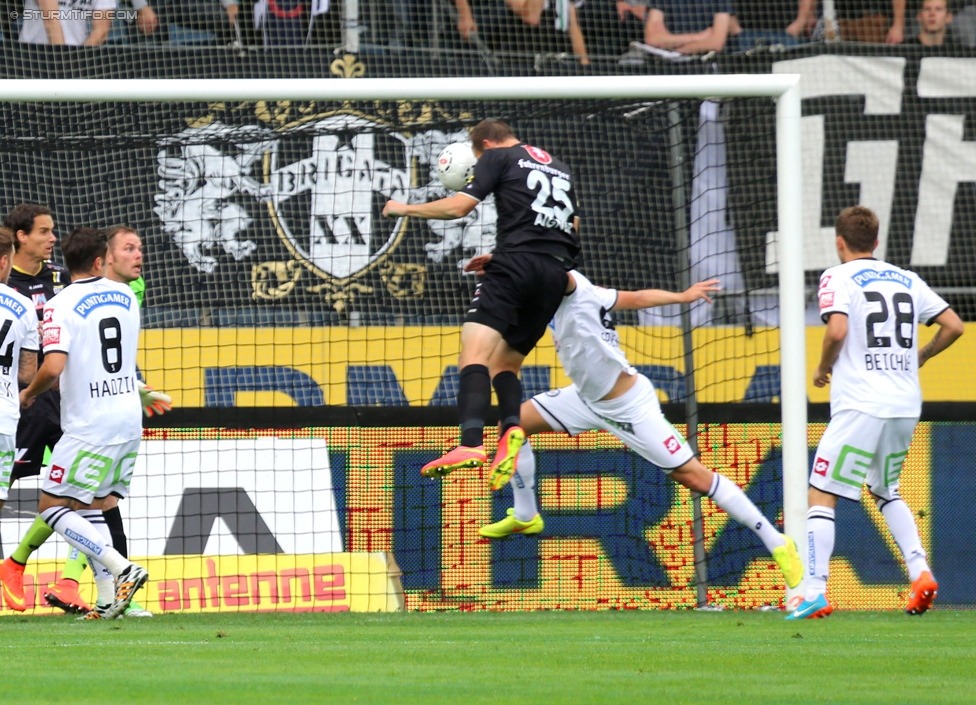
{"x":39,"y":428}
{"x":518,"y":297}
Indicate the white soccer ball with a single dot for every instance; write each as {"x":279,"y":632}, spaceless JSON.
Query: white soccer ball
{"x":455,"y":165}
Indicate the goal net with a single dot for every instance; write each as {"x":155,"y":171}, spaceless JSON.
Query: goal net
{"x":310,"y":345}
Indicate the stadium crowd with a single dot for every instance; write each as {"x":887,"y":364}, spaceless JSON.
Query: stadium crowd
{"x":582,"y":27}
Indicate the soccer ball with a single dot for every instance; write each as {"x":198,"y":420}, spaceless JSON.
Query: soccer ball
{"x":455,"y":165}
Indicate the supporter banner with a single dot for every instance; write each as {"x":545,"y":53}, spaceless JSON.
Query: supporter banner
{"x":617,"y":531}
{"x":398,"y":366}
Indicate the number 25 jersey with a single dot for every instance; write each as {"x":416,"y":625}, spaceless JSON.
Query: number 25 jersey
{"x":96,"y":323}
{"x":876,"y":372}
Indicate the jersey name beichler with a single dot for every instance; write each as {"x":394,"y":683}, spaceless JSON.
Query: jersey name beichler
{"x":876,"y":372}
{"x":586,"y":341}
{"x":534,"y":197}
{"x":18,"y":331}
{"x":96,"y":323}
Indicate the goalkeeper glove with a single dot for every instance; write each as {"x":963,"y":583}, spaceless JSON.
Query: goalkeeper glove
{"x":153,"y":402}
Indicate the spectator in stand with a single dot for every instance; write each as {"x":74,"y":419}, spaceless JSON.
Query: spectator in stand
{"x":687,"y":27}
{"x":764,"y":23}
{"x":153,"y":20}
{"x":611,"y":27}
{"x":859,"y":20}
{"x":545,"y":24}
{"x":67,"y":22}
{"x":934,"y":18}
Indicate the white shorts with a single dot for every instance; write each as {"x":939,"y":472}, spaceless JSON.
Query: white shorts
{"x":82,"y":471}
{"x":635,"y":418}
{"x":8,"y":451}
{"x":858,"y":449}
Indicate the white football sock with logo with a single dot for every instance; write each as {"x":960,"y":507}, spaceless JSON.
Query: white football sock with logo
{"x":104,"y":580}
{"x":523,"y":484}
{"x":729,"y":497}
{"x":902,"y":526}
{"x":820,"y":546}
{"x":79,"y":532}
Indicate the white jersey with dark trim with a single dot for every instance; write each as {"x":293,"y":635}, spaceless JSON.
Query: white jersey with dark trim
{"x":96,"y":323}
{"x":18,"y":331}
{"x":876,"y":372}
{"x":586,"y":341}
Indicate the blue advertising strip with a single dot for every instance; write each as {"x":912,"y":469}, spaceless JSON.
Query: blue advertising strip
{"x":953,"y":502}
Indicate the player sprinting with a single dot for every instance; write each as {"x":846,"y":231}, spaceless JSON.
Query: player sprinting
{"x":90,"y":337}
{"x":870,"y":358}
{"x":608,"y":394}
{"x":537,"y":244}
{"x":18,"y":358}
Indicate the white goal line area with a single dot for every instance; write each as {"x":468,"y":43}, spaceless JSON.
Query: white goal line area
{"x":784,"y":89}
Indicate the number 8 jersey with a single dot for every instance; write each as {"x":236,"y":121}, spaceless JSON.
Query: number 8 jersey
{"x":96,"y":323}
{"x":876,"y":372}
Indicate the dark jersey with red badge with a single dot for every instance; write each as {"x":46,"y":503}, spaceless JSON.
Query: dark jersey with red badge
{"x":534,"y":198}
{"x":41,"y":287}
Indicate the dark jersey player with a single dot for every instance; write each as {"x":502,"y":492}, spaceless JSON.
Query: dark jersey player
{"x":524,"y":281}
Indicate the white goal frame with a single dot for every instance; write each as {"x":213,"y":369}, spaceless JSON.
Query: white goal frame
{"x":784,"y":88}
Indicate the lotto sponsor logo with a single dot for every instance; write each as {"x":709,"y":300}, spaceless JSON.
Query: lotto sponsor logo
{"x":48,"y":314}
{"x":52,"y":336}
{"x":868,"y":276}
{"x":57,"y":474}
{"x":673,"y":445}
{"x":826,"y":299}
{"x":824,"y":280}
{"x":820,"y":467}
{"x":540,"y":155}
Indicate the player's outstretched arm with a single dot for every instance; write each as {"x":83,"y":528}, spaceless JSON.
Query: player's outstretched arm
{"x":450,"y":208}
{"x":648,"y":298}
{"x":950,"y":329}
{"x":46,"y":377}
{"x":833,"y":343}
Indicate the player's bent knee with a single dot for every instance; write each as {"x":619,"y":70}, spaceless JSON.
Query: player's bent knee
{"x":693,"y":475}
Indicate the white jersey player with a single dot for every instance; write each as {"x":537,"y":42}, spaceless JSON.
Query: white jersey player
{"x":870,"y":359}
{"x":608,"y":394}
{"x":90,"y":338}
{"x":18,"y":358}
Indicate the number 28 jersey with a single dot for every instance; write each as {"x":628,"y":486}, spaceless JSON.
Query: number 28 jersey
{"x":96,"y":323}
{"x":876,"y":372}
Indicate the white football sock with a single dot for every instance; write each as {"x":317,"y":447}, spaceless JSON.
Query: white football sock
{"x":79,"y":532}
{"x":902,"y":526}
{"x":729,"y":497}
{"x":523,"y":484}
{"x":104,"y":580}
{"x":820,"y":546}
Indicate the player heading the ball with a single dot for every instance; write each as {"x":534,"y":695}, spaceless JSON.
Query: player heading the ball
{"x":524,"y":282}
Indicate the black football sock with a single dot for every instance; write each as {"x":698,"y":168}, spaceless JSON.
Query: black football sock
{"x":508,"y":388}
{"x":113,"y":519}
{"x":474,"y":398}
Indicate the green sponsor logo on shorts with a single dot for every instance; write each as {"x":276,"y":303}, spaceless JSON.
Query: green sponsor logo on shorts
{"x":892,"y":468}
{"x":124,"y":468}
{"x":6,"y":467}
{"x":89,"y":470}
{"x":852,"y":466}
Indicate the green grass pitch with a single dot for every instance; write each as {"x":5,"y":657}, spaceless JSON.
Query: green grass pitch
{"x":515,"y":658}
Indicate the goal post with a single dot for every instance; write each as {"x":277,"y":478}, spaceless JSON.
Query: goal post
{"x":784,"y":89}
